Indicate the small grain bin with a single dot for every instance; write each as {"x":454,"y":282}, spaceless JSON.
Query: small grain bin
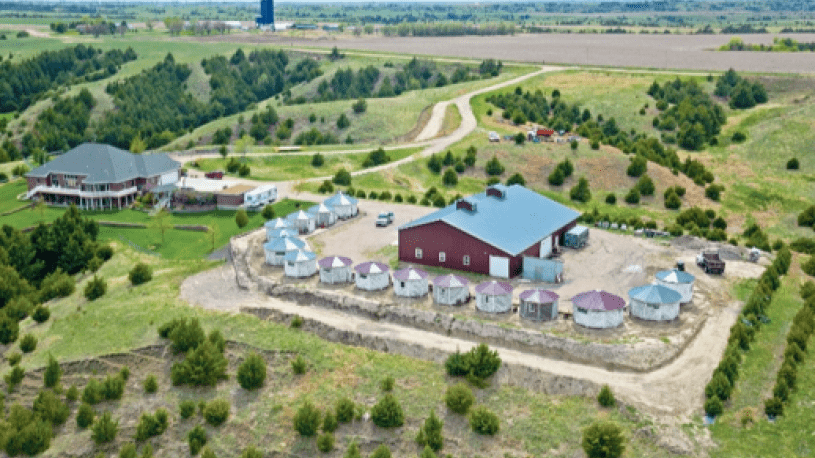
{"x":276,"y":249}
{"x":679,"y":281}
{"x":343,"y":205}
{"x":493,"y":297}
{"x":302,"y":222}
{"x":280,"y":233}
{"x":410,"y":282}
{"x":654,"y":302}
{"x":598,"y":309}
{"x":539,"y":305}
{"x":451,"y":290}
{"x":324,"y":215}
{"x":335,"y":269}
{"x":300,"y":263}
{"x":277,"y":223}
{"x":372,"y":276}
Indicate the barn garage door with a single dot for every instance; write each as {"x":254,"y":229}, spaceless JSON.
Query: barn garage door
{"x":499,"y":266}
{"x":546,"y":247}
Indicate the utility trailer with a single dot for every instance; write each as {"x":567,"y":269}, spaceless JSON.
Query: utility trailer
{"x":710,"y":262}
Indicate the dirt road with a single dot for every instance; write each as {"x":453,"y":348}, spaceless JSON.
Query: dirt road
{"x":433,"y":126}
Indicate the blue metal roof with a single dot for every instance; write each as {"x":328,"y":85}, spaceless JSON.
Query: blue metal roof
{"x":675,"y":276}
{"x":654,"y":294}
{"x":512,"y":223}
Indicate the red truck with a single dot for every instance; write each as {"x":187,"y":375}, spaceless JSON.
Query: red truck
{"x":215,"y":175}
{"x":710,"y":262}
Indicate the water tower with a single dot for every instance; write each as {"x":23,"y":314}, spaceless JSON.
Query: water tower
{"x":266,"y":17}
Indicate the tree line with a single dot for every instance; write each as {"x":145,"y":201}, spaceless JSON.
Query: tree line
{"x":22,"y":84}
{"x":448,"y":29}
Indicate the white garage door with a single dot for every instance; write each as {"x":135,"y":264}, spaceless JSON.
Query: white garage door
{"x":546,"y":247}
{"x":168,"y":178}
{"x":499,"y":266}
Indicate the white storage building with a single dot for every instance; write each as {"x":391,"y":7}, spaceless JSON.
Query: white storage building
{"x":410,"y":282}
{"x":679,"y":281}
{"x":324,"y":215}
{"x":598,"y":309}
{"x":300,"y":264}
{"x":280,"y":233}
{"x":372,"y":276}
{"x":276,"y":249}
{"x":451,"y":290}
{"x":344,"y":205}
{"x":493,"y":297}
{"x":277,"y":223}
{"x":654,"y":302}
{"x":538,"y":305}
{"x":336,"y":269}
{"x":260,"y":196}
{"x":301,"y":221}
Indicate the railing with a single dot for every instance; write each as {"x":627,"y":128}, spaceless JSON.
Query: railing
{"x":80,"y":193}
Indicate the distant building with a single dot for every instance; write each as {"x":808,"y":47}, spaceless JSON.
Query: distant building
{"x":266,"y":17}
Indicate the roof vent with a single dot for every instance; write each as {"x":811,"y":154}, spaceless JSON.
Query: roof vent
{"x":499,"y":191}
{"x":466,"y":204}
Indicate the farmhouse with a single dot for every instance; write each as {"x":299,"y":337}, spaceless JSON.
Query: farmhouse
{"x":488,"y":233}
{"x":654,"y":302}
{"x":99,"y":177}
{"x":598,"y":309}
{"x":335,"y":269}
{"x":410,"y":282}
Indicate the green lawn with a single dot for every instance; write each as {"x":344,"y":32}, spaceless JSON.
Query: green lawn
{"x":298,"y":166}
{"x":178,"y":244}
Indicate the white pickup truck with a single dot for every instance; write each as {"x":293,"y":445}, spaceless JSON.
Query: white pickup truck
{"x":384,"y":219}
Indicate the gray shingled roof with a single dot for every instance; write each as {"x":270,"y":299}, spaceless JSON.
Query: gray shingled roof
{"x":100,"y":163}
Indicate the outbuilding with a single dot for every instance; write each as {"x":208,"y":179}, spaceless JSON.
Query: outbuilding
{"x":302,"y":222}
{"x":654,"y":302}
{"x":324,"y":215}
{"x":276,"y":249}
{"x":277,"y":223}
{"x":538,"y":305}
{"x":451,"y":290}
{"x":335,"y":269}
{"x":576,"y":237}
{"x":372,"y":276}
{"x":343,"y":205}
{"x":679,"y":281}
{"x":410,"y":282}
{"x":598,"y":309}
{"x":493,"y":297}
{"x":279,"y":233}
{"x":260,"y":196}
{"x":488,"y":233}
{"x":300,"y":263}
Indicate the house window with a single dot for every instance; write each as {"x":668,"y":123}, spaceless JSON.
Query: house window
{"x":442,"y":256}
{"x":466,"y":260}
{"x":363,"y":276}
{"x":70,"y":181}
{"x":418,"y":253}
{"x":402,"y":284}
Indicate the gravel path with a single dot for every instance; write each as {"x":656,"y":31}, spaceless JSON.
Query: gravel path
{"x":435,"y":123}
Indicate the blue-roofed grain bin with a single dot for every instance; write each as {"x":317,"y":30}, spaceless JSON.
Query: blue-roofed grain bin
{"x":276,"y":249}
{"x":679,"y":281}
{"x":654,"y":302}
{"x":300,"y":264}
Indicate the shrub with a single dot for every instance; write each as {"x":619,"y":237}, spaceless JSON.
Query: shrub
{"x":738,"y":137}
{"x":595,"y":145}
{"x":343,"y":122}
{"x":241,"y":218}
{"x":387,"y":383}
{"x":387,"y":413}
{"x":150,"y":384}
{"x":93,"y":393}
{"x":196,"y":438}
{"x":113,"y":388}
{"x":633,"y":196}
{"x":151,"y":425}
{"x":459,"y":398}
{"x":204,"y":366}
{"x":773,"y":407}
{"x":124,"y":373}
{"x":72,"y":394}
{"x":713,"y":192}
{"x":353,"y":450}
{"x":606,"y":397}
{"x":645,"y":185}
{"x":781,"y":390}
{"x":104,"y":252}
{"x":603,"y":439}
{"x":268,"y":212}
{"x":580,"y":192}
{"x":95,"y":288}
{"x":342,"y":177}
{"x":52,"y":373}
{"x":672,"y":200}
{"x":251,"y":452}
{"x":28,"y":343}
{"x":141,"y":273}
{"x":519,"y":138}
{"x":637,"y":167}
{"x":128,"y":451}
{"x":483,"y":422}
{"x":50,"y":408}
{"x":713,"y":407}
{"x":325,"y":442}
{"x":430,"y":433}
{"x":9,"y":329}
{"x":14,"y":377}
{"x":216,"y":412}
{"x":186,"y":409}
{"x":105,"y":429}
{"x":493,"y":167}
{"x":252,"y":372}
{"x":317,"y":160}
{"x":329,"y":422}
{"x":516,"y":179}
{"x":58,"y":284}
{"x":298,"y":365}
{"x":307,"y":420}
{"x":381,"y":452}
{"x":360,"y":106}
{"x":185,"y":335}
{"x":793,"y":164}
{"x":85,"y":415}
{"x":345,"y":410}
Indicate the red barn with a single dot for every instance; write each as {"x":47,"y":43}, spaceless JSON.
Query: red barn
{"x":488,"y":233}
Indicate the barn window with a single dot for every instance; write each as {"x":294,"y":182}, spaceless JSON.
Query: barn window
{"x":442,"y":256}
{"x":466,"y":260}
{"x":580,"y":310}
{"x":418,"y":253}
{"x":402,"y":284}
{"x":363,"y":276}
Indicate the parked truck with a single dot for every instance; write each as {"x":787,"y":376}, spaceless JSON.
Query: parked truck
{"x":710,"y":262}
